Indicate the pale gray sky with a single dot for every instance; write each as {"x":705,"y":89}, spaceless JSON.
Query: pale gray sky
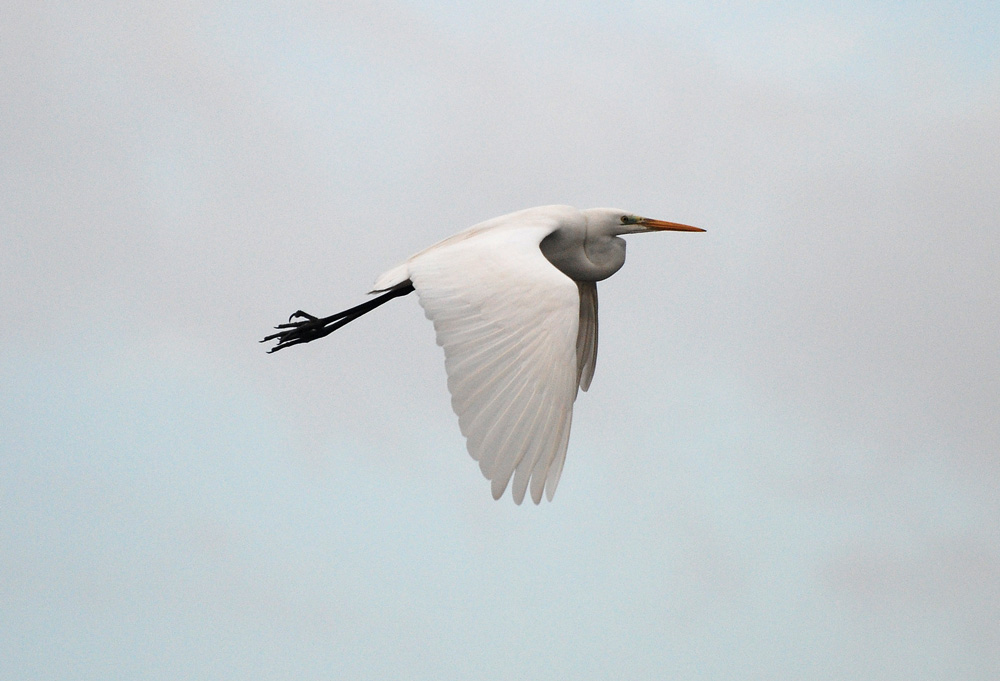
{"x":788,"y":465}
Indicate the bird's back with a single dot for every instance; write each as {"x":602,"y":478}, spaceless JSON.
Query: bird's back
{"x":551,"y":217}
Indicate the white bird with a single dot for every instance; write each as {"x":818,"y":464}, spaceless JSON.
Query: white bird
{"x":514,"y":305}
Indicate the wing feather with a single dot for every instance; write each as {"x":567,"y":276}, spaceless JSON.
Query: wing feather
{"x":533,"y":450}
{"x":509,"y":323}
{"x":586,"y":340}
{"x":554,"y":471}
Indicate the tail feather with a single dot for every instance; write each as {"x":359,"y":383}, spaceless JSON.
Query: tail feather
{"x":392,"y":278}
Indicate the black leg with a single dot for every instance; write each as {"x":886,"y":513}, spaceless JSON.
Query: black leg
{"x":311,"y":328}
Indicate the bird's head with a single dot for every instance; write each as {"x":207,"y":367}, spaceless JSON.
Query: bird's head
{"x":612,"y":222}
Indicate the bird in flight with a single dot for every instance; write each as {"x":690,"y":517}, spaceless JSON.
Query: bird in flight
{"x":514,"y":305}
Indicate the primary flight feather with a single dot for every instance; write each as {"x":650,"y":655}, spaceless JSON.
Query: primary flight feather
{"x":514,"y":305}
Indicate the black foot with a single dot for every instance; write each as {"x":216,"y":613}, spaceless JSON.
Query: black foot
{"x":294,"y":332}
{"x":300,"y":313}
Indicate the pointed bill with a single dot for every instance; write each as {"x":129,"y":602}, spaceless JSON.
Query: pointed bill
{"x":665,"y":226}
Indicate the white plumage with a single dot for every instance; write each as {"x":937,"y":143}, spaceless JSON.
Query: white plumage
{"x":514,"y":305}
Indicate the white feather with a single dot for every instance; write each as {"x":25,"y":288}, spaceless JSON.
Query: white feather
{"x":586,"y":340}
{"x":508,"y":321}
{"x":518,"y":322}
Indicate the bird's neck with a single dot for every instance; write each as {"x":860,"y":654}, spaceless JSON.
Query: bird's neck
{"x":583,"y":257}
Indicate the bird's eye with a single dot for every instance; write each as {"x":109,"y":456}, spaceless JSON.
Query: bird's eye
{"x":624,"y":219}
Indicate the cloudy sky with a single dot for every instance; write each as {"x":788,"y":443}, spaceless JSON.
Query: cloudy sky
{"x":788,"y":465}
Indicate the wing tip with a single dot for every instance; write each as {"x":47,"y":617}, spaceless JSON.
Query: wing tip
{"x":498,"y":487}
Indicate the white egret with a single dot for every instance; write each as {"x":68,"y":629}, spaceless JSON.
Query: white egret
{"x":514,"y":304}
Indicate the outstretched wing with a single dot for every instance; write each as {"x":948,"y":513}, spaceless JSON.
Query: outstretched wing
{"x":508,"y":322}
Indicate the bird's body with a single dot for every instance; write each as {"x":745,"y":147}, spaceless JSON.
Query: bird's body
{"x":514,"y":305}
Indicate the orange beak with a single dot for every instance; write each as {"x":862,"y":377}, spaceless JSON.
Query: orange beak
{"x":663,"y":225}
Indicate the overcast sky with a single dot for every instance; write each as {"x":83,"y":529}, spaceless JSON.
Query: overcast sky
{"x":788,"y":465}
